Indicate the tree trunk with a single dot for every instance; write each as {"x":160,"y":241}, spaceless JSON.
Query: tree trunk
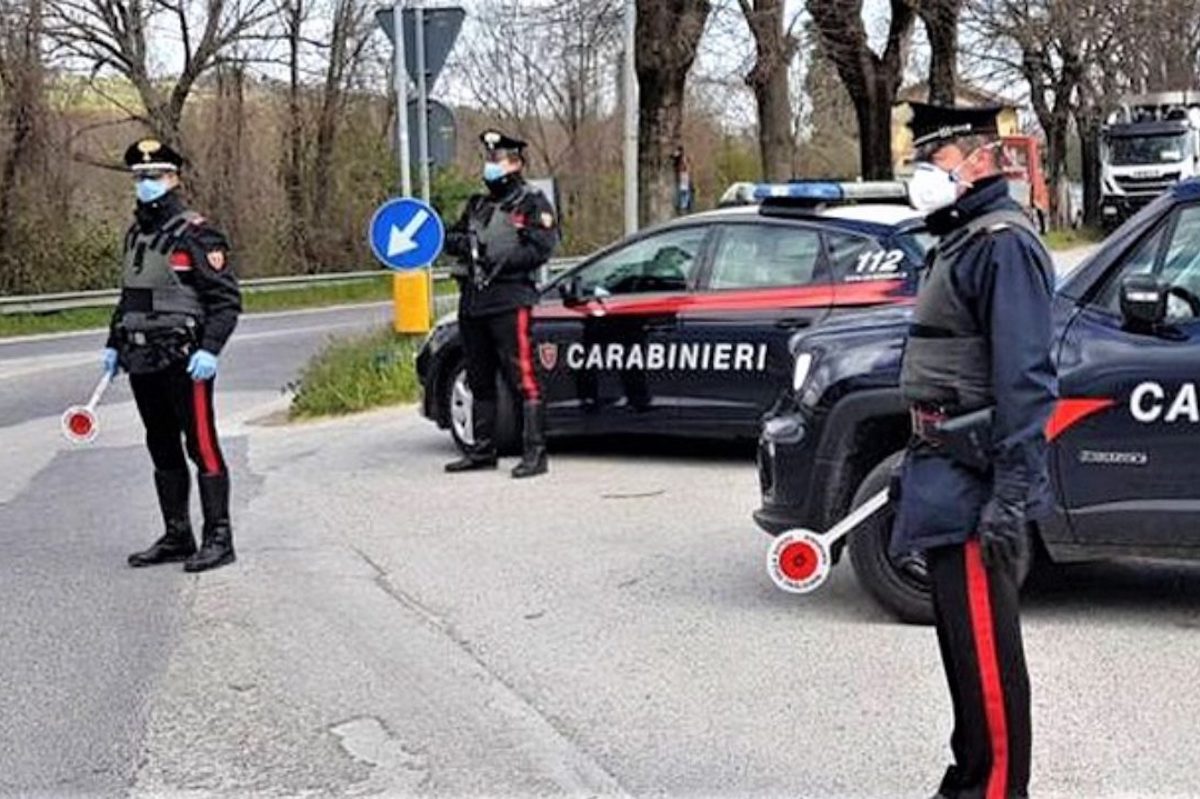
{"x":872,"y":81}
{"x":293,"y":165}
{"x":668,"y":33}
{"x":941,"y":28}
{"x":22,"y":82}
{"x":775,"y":48}
{"x":1056,"y":163}
{"x":874,"y":114}
{"x":327,"y":122}
{"x":1089,"y":149}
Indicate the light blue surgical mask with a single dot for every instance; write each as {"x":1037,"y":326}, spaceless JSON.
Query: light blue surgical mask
{"x":150,"y":190}
{"x":493,"y":171}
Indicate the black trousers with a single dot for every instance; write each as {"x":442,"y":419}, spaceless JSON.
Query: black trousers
{"x":979,"y":633}
{"x":176,"y":409}
{"x":498,"y":343}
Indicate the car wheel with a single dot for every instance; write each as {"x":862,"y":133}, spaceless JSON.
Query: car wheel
{"x":460,"y":405}
{"x":900,"y":584}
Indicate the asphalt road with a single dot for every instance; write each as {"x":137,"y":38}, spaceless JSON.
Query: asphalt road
{"x":607,"y":629}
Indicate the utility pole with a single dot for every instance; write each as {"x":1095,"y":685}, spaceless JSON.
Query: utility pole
{"x":629,"y":94}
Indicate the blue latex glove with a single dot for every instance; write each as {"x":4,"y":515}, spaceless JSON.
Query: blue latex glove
{"x":202,"y":365}
{"x":110,"y":361}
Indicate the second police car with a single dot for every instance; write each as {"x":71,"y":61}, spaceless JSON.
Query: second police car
{"x":683,"y":329}
{"x":1124,"y":435}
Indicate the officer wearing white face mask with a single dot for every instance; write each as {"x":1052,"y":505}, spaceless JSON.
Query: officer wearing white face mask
{"x":979,"y":341}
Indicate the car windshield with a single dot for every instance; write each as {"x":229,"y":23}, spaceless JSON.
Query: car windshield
{"x":1148,"y":149}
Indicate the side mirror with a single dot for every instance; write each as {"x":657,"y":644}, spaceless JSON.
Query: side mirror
{"x":1143,"y":301}
{"x":571,"y":291}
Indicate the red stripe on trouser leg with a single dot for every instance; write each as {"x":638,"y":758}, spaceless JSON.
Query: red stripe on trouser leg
{"x":525,"y":355}
{"x":979,"y":602}
{"x":204,"y":431}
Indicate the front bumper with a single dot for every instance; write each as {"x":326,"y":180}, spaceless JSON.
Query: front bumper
{"x":787,"y":448}
{"x":1116,"y":208}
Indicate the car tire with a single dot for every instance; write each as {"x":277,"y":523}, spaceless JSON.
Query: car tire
{"x":894,"y":583}
{"x":456,"y":402}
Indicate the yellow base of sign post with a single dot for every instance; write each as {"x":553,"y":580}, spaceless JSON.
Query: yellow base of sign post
{"x":411,"y":299}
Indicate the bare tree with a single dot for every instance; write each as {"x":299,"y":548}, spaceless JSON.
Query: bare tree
{"x":348,"y":38}
{"x":554,"y":88}
{"x":292,"y":16}
{"x":1039,"y":41}
{"x":116,"y":35}
{"x":668,"y":33}
{"x":22,"y":89}
{"x":872,"y":80}
{"x":775,"y":46}
{"x":940,"y":18}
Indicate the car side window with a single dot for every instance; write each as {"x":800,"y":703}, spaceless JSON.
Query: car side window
{"x":860,"y":258}
{"x":766,"y":256}
{"x":665,"y":261}
{"x":1172,"y":254}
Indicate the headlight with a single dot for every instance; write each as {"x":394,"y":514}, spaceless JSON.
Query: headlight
{"x":804,"y":362}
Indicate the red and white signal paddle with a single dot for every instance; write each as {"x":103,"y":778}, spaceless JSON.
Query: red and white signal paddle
{"x":79,"y":422}
{"x":799,"y":560}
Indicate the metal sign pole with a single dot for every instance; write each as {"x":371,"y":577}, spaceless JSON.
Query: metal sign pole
{"x":422,"y":100}
{"x":423,"y":121}
{"x":401,"y":99}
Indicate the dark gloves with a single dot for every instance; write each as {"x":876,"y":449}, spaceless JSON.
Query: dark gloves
{"x":1002,"y":535}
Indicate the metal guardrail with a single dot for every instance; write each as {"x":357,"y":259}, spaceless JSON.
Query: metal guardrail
{"x":49,"y":303}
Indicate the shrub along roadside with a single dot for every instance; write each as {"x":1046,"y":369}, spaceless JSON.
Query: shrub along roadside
{"x":374,"y":289}
{"x":354,"y":374}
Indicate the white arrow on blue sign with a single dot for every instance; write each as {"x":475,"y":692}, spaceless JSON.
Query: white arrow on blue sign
{"x":406,"y":234}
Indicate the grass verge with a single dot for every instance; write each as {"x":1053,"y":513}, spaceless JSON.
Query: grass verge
{"x":374,"y":289}
{"x":1069,"y":238}
{"x":354,"y":374}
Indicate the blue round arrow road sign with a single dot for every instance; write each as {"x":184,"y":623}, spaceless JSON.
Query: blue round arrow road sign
{"x":406,"y":234}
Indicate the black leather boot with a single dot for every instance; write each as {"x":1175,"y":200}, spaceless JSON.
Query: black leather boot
{"x":533,"y":459}
{"x":177,"y":543}
{"x":216,"y":549}
{"x":482,"y":454}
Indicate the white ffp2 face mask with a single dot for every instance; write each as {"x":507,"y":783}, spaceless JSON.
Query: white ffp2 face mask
{"x":932,"y":188}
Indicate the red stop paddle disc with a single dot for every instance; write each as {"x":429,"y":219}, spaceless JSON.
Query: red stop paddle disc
{"x":798,"y":561}
{"x":79,"y":425}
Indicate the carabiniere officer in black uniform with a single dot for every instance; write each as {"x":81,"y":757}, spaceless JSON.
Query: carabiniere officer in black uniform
{"x":980,"y":340}
{"x":179,"y":304}
{"x":502,"y":239}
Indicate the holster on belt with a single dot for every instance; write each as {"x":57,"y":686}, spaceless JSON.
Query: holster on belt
{"x":966,"y":438}
{"x":153,"y":342}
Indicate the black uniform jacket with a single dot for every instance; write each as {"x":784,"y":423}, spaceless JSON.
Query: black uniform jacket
{"x":212,"y":271}
{"x":1000,"y":276}
{"x":515,"y":270}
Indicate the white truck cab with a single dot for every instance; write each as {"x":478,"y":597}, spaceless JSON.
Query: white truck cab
{"x":1150,"y":143}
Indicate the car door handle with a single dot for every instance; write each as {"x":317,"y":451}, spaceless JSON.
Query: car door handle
{"x":661,"y":327}
{"x":793,"y":322}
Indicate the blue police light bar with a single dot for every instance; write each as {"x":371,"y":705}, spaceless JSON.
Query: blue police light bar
{"x":819,"y":192}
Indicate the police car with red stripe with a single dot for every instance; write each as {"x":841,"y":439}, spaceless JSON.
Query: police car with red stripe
{"x":1125,"y":433}
{"x":683,"y":329}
